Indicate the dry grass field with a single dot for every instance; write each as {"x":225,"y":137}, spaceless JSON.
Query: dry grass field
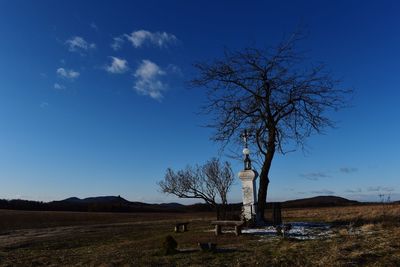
{"x":362,"y":236}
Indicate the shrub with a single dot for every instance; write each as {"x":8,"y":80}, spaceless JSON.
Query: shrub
{"x":170,"y":245}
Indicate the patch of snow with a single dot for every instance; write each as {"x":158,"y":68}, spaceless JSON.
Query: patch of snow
{"x":299,"y":230}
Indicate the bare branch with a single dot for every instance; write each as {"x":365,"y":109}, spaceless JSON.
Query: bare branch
{"x":271,"y":93}
{"x":200,"y":182}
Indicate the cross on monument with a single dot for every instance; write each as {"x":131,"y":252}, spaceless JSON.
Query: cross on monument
{"x":246,"y":151}
{"x":245,"y":135}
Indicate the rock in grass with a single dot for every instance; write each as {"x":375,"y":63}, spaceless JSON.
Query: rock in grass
{"x":207,"y":246}
{"x":170,"y":245}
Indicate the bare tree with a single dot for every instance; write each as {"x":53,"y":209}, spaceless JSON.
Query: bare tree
{"x":209,"y":182}
{"x":271,"y":93}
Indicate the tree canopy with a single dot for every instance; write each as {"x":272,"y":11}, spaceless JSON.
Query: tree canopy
{"x":210,"y":182}
{"x":274,"y":94}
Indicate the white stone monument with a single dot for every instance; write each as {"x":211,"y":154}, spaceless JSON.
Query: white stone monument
{"x":249,"y":189}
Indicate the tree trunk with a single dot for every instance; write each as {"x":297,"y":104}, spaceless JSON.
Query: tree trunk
{"x":223,"y":211}
{"x":264,"y":178}
{"x":218,"y":212}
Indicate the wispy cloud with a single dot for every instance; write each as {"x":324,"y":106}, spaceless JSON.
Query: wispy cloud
{"x":58,"y":86}
{"x":348,"y":169}
{"x":380,"y":189}
{"x":117,"y":65}
{"x":353,"y":191}
{"x":174,"y":69}
{"x":149,"y":80}
{"x":44,"y":105}
{"x":78,"y":44}
{"x":67,"y":74}
{"x":117,"y":43}
{"x":94,"y":26}
{"x":373,"y":188}
{"x":143,"y":37}
{"x":375,"y":197}
{"x":323,"y":191}
{"x":314,"y":176}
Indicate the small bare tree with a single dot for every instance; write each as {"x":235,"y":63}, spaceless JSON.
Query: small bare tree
{"x":208,"y":182}
{"x":274,"y":95}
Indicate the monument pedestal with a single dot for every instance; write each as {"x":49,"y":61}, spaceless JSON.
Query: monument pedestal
{"x":249,"y":191}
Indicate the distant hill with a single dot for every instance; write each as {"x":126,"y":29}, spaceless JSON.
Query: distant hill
{"x":95,"y":204}
{"x":73,"y":200}
{"x":102,"y":199}
{"x":119,"y":204}
{"x":117,"y":200}
{"x":313,"y":202}
{"x":113,"y":204}
{"x":319,"y":201}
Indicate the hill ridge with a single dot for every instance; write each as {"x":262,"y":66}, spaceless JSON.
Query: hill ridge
{"x":120,"y":204}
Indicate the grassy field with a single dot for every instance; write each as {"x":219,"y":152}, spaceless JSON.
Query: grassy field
{"x":362,"y":236}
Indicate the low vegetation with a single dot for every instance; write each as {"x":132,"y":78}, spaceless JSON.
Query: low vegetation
{"x":363,"y":235}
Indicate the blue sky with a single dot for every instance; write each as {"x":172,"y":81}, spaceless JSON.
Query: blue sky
{"x":93,"y":99}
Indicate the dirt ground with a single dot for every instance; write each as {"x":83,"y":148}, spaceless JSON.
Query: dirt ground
{"x":362,"y":236}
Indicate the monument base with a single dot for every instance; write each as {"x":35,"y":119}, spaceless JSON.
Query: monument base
{"x":249,"y":209}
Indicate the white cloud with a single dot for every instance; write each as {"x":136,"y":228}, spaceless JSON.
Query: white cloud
{"x":160,"y":39}
{"x":174,"y":69}
{"x":117,"y":43}
{"x":118,"y":65}
{"x":148,"y":80}
{"x":58,"y":86}
{"x":78,"y":44}
{"x":44,"y":105}
{"x":68,"y":74}
{"x":94,"y":26}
